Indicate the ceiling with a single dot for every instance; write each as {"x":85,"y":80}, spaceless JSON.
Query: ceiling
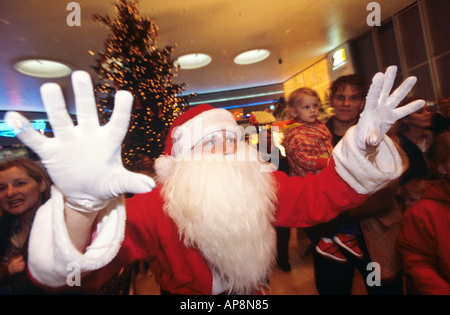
{"x":297,"y":32}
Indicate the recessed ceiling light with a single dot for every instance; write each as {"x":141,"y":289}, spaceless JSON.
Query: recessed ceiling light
{"x":252,"y":56}
{"x":192,"y":61}
{"x":42,"y":68}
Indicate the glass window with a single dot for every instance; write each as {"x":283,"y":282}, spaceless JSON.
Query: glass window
{"x":365,"y":57}
{"x":443,"y":71}
{"x":388,"y":45}
{"x":424,"y":87}
{"x":438,"y":17}
{"x":412,"y":37}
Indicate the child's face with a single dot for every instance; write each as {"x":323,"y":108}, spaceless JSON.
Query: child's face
{"x":306,"y":109}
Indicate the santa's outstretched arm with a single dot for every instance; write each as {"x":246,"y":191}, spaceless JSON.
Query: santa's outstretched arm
{"x":89,"y":179}
{"x":366,"y":158}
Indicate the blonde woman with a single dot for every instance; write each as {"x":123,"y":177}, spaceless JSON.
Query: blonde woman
{"x":24,"y":187}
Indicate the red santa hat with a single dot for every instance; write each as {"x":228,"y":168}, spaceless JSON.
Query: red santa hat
{"x":189,"y":129}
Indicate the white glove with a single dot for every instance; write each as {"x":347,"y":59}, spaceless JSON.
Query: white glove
{"x":380,"y":113}
{"x":83,"y":161}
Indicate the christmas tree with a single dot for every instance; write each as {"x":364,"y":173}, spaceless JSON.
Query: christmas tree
{"x":132,"y":61}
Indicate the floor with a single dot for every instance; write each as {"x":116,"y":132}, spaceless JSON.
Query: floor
{"x":299,"y":281}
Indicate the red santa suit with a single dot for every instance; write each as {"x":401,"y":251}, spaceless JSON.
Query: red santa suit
{"x":145,"y":230}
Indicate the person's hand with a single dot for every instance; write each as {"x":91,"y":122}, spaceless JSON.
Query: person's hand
{"x":16,"y":265}
{"x":84,"y":161}
{"x":380,"y":113}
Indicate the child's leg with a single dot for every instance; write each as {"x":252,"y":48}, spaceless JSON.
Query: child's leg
{"x":346,"y":238}
{"x":328,"y":248}
{"x":321,"y":237}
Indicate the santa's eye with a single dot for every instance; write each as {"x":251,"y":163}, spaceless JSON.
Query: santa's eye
{"x":211,"y":142}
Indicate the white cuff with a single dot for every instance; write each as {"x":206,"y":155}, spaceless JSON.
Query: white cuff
{"x":367,"y":174}
{"x":53,"y":260}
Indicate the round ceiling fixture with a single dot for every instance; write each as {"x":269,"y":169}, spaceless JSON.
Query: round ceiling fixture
{"x":252,"y":56}
{"x":192,"y":61}
{"x":42,"y":68}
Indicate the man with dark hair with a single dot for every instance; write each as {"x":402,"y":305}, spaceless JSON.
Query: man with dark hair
{"x":348,"y":94}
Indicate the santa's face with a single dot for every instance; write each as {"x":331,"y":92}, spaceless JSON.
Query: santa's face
{"x":220,"y":142}
{"x":224,"y":205}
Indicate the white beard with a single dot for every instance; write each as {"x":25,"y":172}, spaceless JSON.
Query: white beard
{"x":226,"y":210}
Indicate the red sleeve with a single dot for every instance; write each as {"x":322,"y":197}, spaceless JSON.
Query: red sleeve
{"x":140,"y":240}
{"x":314,"y":199}
{"x":416,"y":244}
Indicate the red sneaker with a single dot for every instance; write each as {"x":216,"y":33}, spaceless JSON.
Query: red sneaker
{"x":328,"y":248}
{"x":349,"y":243}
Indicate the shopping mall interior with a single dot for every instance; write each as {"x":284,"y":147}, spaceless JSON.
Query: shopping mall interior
{"x":243,"y":56}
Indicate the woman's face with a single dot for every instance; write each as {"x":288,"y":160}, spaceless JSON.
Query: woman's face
{"x":19,"y":193}
{"x":420,"y":118}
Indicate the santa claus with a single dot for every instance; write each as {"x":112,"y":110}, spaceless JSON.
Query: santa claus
{"x":208,"y":225}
